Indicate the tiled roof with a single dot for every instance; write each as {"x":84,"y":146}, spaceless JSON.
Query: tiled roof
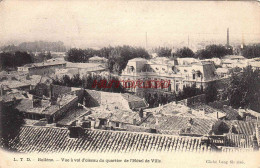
{"x":49,"y":140}
{"x":232,"y":149}
{"x":170,"y":109}
{"x":258,"y":134}
{"x":243,"y":127}
{"x":26,"y":105}
{"x":134,"y":101}
{"x":9,"y":96}
{"x":72,"y":116}
{"x":239,"y":140}
{"x":12,"y":84}
{"x":45,"y":64}
{"x":231,"y":113}
{"x":115,"y":115}
{"x":199,"y":126}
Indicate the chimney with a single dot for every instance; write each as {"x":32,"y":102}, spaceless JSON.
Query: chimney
{"x":227,"y":37}
{"x":1,"y":90}
{"x":134,"y":121}
{"x":141,"y":113}
{"x":76,"y":132}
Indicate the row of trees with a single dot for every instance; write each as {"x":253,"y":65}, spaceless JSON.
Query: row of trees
{"x":210,"y":51}
{"x":9,"y":61}
{"x":117,"y":56}
{"x":35,"y":46}
{"x":12,"y":60}
{"x":96,"y":82}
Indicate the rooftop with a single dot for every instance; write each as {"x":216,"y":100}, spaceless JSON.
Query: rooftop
{"x":199,"y":126}
{"x":12,"y":84}
{"x":9,"y":96}
{"x":44,"y":64}
{"x":56,"y":140}
{"x":233,"y":57}
{"x":116,"y":115}
{"x":97,"y":58}
{"x":243,"y":127}
{"x":26,"y":105}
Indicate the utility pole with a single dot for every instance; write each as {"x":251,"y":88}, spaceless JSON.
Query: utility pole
{"x":188,"y":40}
{"x":146,"y":40}
{"x":227,"y":37}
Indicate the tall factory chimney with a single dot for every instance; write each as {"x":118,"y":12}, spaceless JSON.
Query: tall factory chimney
{"x":227,"y":37}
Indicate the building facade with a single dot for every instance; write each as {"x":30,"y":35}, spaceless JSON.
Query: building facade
{"x":148,"y":75}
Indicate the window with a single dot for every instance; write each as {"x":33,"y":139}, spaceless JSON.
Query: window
{"x":193,"y":76}
{"x":117,"y":124}
{"x":162,"y":84}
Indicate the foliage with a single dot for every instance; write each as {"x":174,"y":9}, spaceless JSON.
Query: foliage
{"x":213,"y":51}
{"x":13,"y":60}
{"x":155,"y":100}
{"x":163,"y":51}
{"x":184,"y":53}
{"x":11,"y":121}
{"x":41,"y":57}
{"x":96,"y":82}
{"x":244,"y":89}
{"x":211,"y":92}
{"x":188,"y":91}
{"x":251,"y":51}
{"x":36,"y":46}
{"x":118,"y":56}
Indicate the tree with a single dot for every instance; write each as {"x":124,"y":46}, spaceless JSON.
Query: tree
{"x":76,"y":55}
{"x":213,"y":51}
{"x":163,"y":51}
{"x":13,"y":60}
{"x":184,"y":52}
{"x":11,"y":121}
{"x":244,"y":89}
{"x":211,"y":92}
{"x":251,"y":51}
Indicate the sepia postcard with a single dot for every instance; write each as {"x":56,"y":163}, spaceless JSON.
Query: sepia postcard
{"x":129,"y":84}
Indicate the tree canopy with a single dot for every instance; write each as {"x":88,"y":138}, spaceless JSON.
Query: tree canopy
{"x":184,"y":52}
{"x":118,"y":56}
{"x":95,"y":82}
{"x":244,"y":89}
{"x":251,"y":51}
{"x":13,"y":60}
{"x":11,"y":121}
{"x":163,"y":51}
{"x":213,"y":51}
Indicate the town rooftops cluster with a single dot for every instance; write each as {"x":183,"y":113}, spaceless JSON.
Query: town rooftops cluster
{"x":57,"y":140}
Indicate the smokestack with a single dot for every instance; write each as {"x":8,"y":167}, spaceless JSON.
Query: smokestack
{"x":227,"y":37}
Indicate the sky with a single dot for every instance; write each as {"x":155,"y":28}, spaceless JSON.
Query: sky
{"x":102,"y":23}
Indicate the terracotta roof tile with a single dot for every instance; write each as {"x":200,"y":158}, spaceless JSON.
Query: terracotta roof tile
{"x":47,"y":139}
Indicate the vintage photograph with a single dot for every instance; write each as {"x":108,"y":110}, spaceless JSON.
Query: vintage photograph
{"x":129,"y":77}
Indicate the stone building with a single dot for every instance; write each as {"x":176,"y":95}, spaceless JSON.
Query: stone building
{"x":175,"y":74}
